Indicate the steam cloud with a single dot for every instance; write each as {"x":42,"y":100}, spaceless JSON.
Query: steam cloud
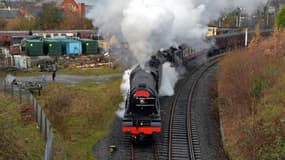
{"x":149,"y":25}
{"x":125,"y":86}
{"x":169,"y":79}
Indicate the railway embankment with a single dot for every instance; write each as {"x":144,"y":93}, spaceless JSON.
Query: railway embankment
{"x":19,"y":137}
{"x":81,"y":114}
{"x":80,"y":104}
{"x":251,"y":99}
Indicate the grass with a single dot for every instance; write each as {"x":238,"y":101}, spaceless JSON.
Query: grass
{"x":251,"y":85}
{"x":100,"y":71}
{"x":81,"y":115}
{"x":97,"y":71}
{"x":18,"y":141}
{"x":18,"y":73}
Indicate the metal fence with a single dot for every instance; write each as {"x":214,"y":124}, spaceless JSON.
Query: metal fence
{"x":25,"y":96}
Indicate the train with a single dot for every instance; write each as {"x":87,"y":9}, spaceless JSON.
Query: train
{"x":229,"y":41}
{"x":142,"y":108}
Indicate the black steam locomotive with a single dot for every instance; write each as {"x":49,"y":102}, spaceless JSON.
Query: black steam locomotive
{"x":142,"y":109}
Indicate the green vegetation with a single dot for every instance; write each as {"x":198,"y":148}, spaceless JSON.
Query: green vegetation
{"x":251,"y":85}
{"x":81,"y":115}
{"x":20,"y":23}
{"x":2,"y":74}
{"x":18,"y":140}
{"x":76,"y":22}
{"x":52,"y":17}
{"x":99,"y":71}
{"x":3,"y":22}
{"x":280,"y":18}
{"x":83,"y":72}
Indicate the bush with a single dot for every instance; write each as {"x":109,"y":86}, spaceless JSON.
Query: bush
{"x":258,"y":88}
{"x":3,"y":23}
{"x":51,"y":17}
{"x":251,"y":83}
{"x":20,"y":23}
{"x":280,"y":18}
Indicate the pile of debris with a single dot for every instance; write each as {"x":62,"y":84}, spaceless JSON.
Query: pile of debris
{"x":91,"y":61}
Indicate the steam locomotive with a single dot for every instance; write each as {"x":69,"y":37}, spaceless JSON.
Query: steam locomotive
{"x":142,"y":109}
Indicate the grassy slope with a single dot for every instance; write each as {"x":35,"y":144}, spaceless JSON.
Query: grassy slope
{"x":251,"y":86}
{"x":16,"y":140}
{"x":81,"y":114}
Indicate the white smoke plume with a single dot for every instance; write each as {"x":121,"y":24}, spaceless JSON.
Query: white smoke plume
{"x":149,"y":25}
{"x":125,"y":86}
{"x":169,"y":79}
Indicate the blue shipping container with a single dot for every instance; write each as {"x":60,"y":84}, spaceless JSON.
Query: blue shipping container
{"x":72,"y":47}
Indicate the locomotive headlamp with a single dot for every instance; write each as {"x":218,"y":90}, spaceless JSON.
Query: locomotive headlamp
{"x":87,"y":44}
{"x":31,"y":45}
{"x":141,"y":101}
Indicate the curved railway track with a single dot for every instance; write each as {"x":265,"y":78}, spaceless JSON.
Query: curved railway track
{"x":179,"y":140}
{"x":183,"y":140}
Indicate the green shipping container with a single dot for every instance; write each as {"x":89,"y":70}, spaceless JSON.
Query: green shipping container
{"x":34,"y":48}
{"x":89,"y":46}
{"x":52,"y":47}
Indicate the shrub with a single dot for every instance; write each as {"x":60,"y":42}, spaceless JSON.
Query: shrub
{"x":280,"y":18}
{"x":251,"y":83}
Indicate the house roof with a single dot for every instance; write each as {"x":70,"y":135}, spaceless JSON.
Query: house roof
{"x":69,"y":1}
{"x":5,"y":13}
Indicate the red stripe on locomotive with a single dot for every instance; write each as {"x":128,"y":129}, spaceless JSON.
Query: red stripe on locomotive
{"x":142,"y":93}
{"x":141,"y":130}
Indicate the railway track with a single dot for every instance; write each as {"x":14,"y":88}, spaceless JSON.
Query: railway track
{"x":183,"y":140}
{"x":139,"y":150}
{"x":144,"y":151}
{"x":174,"y":142}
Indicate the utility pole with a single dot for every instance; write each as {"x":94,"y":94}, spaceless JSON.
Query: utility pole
{"x":266,"y":14}
{"x":246,"y":37}
{"x":238,"y":14}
